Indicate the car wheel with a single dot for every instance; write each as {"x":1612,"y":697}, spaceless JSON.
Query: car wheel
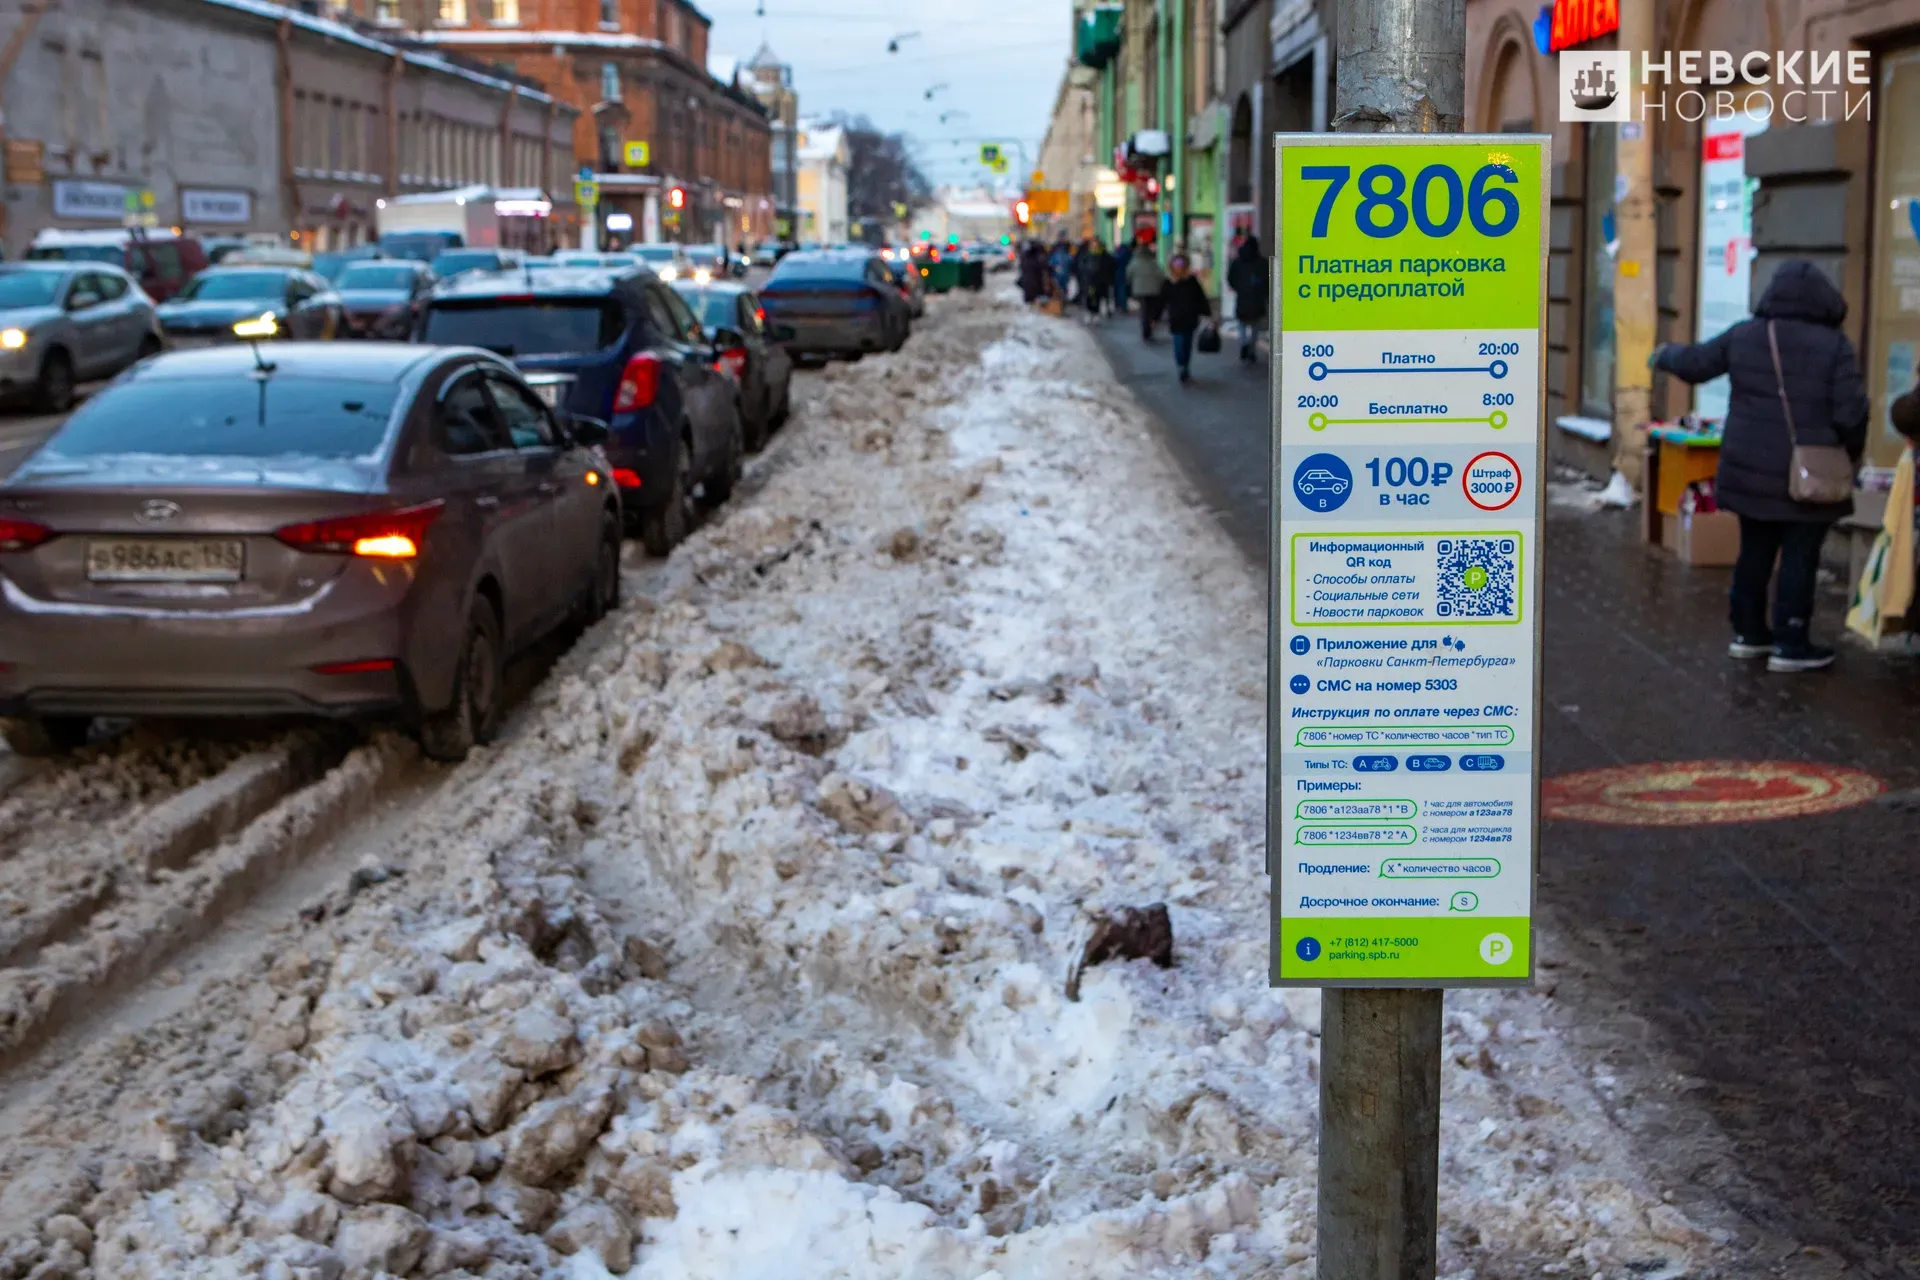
{"x":474,"y":716}
{"x":34,"y":736}
{"x":53,"y":392}
{"x":663,"y":528}
{"x":149,"y":348}
{"x":603,"y":593}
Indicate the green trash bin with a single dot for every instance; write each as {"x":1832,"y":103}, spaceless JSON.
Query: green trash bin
{"x":973,"y":275}
{"x":943,"y":275}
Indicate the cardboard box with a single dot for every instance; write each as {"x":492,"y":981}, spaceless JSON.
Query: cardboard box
{"x":1703,"y":538}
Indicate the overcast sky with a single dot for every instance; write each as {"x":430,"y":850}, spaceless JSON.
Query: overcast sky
{"x":999,"y":60}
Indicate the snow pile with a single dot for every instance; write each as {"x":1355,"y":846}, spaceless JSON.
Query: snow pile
{"x":744,"y":956}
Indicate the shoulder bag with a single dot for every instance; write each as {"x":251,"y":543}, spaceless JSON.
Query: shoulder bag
{"x":1817,"y":473}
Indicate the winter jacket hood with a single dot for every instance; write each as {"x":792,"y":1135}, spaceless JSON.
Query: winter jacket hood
{"x":1801,"y":291}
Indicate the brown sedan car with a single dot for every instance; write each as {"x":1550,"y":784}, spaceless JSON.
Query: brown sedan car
{"x":330,"y":529}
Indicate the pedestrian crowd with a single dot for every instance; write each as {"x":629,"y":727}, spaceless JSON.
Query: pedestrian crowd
{"x":1088,"y":276}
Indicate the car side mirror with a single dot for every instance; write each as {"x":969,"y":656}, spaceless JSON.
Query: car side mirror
{"x":588,"y":433}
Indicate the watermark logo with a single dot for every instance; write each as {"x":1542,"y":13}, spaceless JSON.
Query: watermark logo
{"x":1609,"y":86}
{"x":1596,"y":86}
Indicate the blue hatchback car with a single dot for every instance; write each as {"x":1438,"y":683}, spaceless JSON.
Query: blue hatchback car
{"x":617,"y":345}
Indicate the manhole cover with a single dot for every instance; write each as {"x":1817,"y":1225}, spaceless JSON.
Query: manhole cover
{"x":1697,"y":792}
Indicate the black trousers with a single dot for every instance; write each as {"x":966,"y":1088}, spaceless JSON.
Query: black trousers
{"x":1795,"y":545}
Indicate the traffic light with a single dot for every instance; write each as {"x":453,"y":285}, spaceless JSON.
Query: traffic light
{"x":677,"y":198}
{"x":1022,"y":214}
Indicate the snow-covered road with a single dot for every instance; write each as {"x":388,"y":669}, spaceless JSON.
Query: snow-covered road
{"x":743,"y":954}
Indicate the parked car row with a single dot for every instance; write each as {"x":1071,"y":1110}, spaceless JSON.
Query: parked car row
{"x":279,"y":525}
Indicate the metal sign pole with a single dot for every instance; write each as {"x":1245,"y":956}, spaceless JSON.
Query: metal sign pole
{"x":1408,"y":391}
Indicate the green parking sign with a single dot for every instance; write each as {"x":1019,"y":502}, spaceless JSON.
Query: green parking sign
{"x":1408,"y":362}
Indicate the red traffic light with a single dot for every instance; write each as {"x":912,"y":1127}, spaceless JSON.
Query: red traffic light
{"x":677,"y":198}
{"x":1022,"y":213}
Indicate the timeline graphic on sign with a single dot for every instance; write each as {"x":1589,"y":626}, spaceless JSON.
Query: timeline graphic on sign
{"x":1403,"y":728}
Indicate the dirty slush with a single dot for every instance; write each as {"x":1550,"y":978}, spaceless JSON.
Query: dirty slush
{"x":748,"y":950}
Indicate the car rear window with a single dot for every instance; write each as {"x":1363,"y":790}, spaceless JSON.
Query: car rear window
{"x":234,"y":286}
{"x":260,"y":416}
{"x":367,"y":275}
{"x":527,"y":327}
{"x":845,"y":270}
{"x":715,"y":310}
{"x":77,"y":253}
{"x":466,"y":260}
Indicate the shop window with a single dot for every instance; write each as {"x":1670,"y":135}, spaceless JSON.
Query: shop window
{"x":453,"y":13}
{"x":1893,"y":330}
{"x":1726,"y":242}
{"x":1601,"y":248}
{"x":506,"y":13}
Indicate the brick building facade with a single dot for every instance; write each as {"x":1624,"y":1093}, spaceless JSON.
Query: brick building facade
{"x":227,"y":116}
{"x":636,"y":70}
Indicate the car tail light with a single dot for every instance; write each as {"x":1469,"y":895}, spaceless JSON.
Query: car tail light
{"x":733,"y":363}
{"x":760,"y":314}
{"x":639,"y":383}
{"x":362,"y":667}
{"x":378,"y":535}
{"x":22,"y":535}
{"x":626,"y":478}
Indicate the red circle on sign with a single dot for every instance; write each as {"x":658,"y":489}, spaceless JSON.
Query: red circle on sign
{"x":1701,"y":792}
{"x":1466,"y":482}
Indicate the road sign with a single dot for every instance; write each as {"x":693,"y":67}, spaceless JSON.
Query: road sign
{"x":1049,"y":201}
{"x":1000,"y":164}
{"x":638,"y":154}
{"x":989,"y":153}
{"x":585,"y":171}
{"x":1403,"y":773}
{"x":586,"y":192}
{"x":1037,"y":177}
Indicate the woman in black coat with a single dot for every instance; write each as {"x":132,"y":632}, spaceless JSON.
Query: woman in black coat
{"x":1248,"y":277}
{"x":1821,"y":380}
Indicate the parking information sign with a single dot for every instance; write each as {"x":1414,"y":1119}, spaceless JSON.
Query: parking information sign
{"x":1405,"y":631}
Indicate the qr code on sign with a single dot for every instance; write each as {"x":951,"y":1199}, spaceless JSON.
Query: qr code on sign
{"x":1477,"y":577}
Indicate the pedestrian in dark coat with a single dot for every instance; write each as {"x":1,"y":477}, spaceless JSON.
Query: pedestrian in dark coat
{"x":1248,"y":276}
{"x":1033,"y":271}
{"x":1121,"y":257}
{"x":1801,"y":312}
{"x":1061,"y":261}
{"x":1095,"y":269}
{"x":1186,"y":304}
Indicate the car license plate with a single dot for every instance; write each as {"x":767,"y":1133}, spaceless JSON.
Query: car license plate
{"x":166,"y":560}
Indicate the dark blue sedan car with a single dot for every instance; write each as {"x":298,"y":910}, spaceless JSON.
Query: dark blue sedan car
{"x":617,"y":345}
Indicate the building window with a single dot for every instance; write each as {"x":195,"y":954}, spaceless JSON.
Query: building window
{"x":506,"y":13}
{"x":1596,"y":327}
{"x":453,"y":13}
{"x":610,"y":14}
{"x":610,"y":82}
{"x":386,"y":11}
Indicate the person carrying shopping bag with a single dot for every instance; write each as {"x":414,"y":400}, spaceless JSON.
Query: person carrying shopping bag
{"x":1796,"y":427}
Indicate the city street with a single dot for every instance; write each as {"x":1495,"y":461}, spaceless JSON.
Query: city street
{"x":758,"y":934}
{"x":1744,"y":990}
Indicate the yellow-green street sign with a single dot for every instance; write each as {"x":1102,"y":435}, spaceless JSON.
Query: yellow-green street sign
{"x":1408,"y":360}
{"x":586,"y":192}
{"x":989,"y":153}
{"x":638,"y":154}
{"x":1000,"y":165}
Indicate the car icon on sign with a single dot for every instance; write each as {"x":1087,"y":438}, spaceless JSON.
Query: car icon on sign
{"x":1320,"y":480}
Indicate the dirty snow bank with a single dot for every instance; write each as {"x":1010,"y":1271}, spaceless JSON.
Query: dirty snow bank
{"x":832,"y":803}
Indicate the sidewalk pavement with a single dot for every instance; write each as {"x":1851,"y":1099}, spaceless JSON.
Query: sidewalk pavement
{"x":1746,"y":989}
{"x":1221,"y":416}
